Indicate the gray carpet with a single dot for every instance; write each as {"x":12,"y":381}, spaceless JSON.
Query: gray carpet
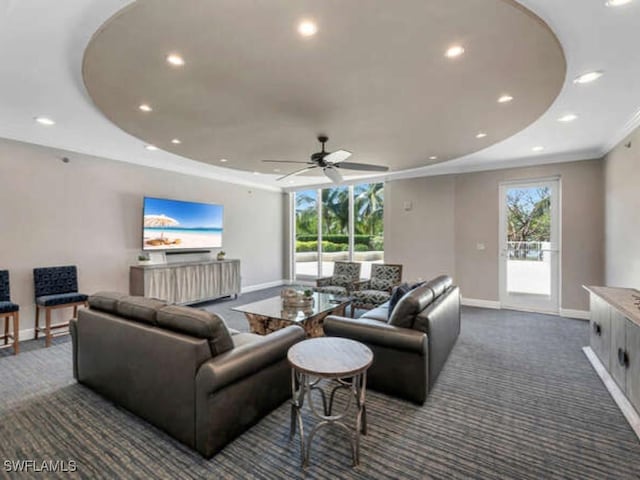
{"x":517,"y":399}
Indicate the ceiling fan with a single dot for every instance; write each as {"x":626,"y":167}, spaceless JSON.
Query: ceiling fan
{"x":330,"y":162}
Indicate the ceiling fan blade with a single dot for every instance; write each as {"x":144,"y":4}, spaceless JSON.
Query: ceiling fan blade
{"x":285,"y":161}
{"x":333,"y":174}
{"x":297,"y":172}
{"x":337,"y":156}
{"x":363,"y":166}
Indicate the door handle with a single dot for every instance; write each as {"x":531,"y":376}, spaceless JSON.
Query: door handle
{"x":597,"y":329}
{"x":623,"y":358}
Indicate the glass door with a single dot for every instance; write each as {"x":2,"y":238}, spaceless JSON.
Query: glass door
{"x":335,"y":228}
{"x":529,"y":245}
{"x":306,"y":234}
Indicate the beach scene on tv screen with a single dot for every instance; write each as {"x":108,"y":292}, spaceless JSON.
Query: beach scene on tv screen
{"x":174,"y":224}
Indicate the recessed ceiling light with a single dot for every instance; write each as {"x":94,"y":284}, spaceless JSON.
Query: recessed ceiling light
{"x":505,"y":99}
{"x":45,"y":121}
{"x":290,"y":182}
{"x":175,"y":60}
{"x":256,"y":173}
{"x":538,"y":148}
{"x":145,"y":107}
{"x":176,"y":141}
{"x":307,"y":28}
{"x":433,"y":157}
{"x":617,"y":3}
{"x":223,"y":160}
{"x":588,"y":77}
{"x":570,"y":117}
{"x":153,"y":148}
{"x":454,"y":51}
{"x":276,"y":170}
{"x":481,"y":135}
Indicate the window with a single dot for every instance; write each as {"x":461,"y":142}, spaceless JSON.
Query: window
{"x":335,"y":228}
{"x":369,"y":226}
{"x":350,"y":227}
{"x":306,"y":228}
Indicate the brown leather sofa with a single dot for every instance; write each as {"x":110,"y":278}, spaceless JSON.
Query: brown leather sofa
{"x":180,"y":368}
{"x":411,"y":347}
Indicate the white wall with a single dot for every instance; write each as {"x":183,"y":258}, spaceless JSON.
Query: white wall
{"x":451,"y":214}
{"x":622,"y":207}
{"x":421,"y":238}
{"x":89,"y":213}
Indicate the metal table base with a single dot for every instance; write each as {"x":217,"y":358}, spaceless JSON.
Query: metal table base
{"x":302,"y":385}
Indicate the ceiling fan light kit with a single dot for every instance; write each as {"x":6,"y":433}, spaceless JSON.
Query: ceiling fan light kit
{"x":330,"y":162}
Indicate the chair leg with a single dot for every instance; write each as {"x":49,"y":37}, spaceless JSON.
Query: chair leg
{"x":75,"y":311}
{"x":16,"y":333}
{"x":6,"y":330}
{"x":47,"y":330}
{"x":37,"y":321}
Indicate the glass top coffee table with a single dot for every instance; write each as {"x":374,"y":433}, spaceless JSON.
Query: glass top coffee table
{"x":269,"y":315}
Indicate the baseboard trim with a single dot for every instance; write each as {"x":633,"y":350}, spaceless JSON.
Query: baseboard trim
{"x":474,"y":302}
{"x":262,"y":286}
{"x":28,"y":334}
{"x":630,"y":413}
{"x":579,"y":314}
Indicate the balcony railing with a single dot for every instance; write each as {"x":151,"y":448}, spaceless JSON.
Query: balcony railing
{"x":531,"y":251}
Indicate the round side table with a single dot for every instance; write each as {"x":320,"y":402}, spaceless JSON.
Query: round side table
{"x":346,"y":362}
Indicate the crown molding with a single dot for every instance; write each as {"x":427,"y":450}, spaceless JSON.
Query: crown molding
{"x":456,"y":167}
{"x":627,"y":129}
{"x":181,"y":165}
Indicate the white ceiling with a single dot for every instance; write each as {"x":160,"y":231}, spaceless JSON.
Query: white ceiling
{"x":42,"y":46}
{"x":381,"y":86}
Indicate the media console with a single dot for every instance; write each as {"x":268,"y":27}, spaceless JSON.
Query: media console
{"x":186,"y":282}
{"x":615,"y":346}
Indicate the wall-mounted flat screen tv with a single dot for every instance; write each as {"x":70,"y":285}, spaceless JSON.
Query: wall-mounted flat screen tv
{"x":177,"y":225}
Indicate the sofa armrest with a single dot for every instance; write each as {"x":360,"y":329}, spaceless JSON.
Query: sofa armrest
{"x":374,"y":332}
{"x":243,"y":361}
{"x":73,"y":330}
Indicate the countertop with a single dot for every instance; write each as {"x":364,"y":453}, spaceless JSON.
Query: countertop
{"x":152,"y":266}
{"x":622,"y":299}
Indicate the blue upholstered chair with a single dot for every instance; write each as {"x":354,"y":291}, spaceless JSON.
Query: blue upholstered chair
{"x":56,"y":287}
{"x":8,"y":311}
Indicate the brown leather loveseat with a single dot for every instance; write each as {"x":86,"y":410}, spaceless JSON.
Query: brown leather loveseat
{"x":180,"y":368}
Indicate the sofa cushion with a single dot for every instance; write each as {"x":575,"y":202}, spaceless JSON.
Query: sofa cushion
{"x":380,"y":313}
{"x":439,"y":284}
{"x":140,"y":309}
{"x":398,"y":292}
{"x":242,"y":339}
{"x":199,"y":324}
{"x":404,"y":313}
{"x":8,"y":307}
{"x":106,"y":301}
{"x":61,"y":299}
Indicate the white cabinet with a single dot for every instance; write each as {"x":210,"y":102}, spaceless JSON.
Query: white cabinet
{"x":184,"y":283}
{"x":615,"y":337}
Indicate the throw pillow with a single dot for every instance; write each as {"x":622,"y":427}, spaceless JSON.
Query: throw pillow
{"x":398,"y":292}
